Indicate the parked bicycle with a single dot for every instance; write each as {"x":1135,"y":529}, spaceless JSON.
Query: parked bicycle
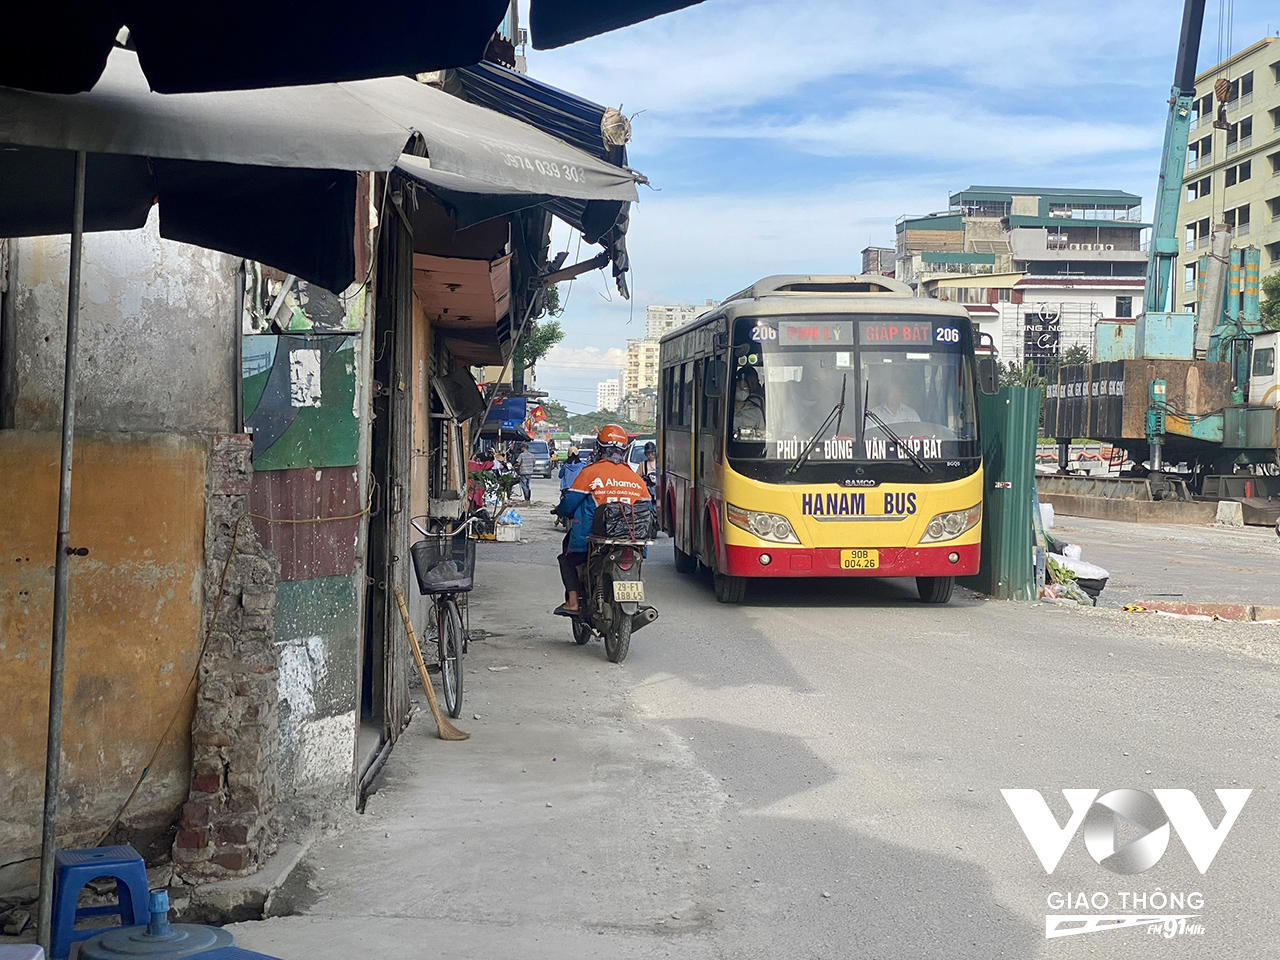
{"x":444,"y":562}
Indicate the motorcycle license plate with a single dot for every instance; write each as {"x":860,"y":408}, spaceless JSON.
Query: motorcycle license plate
{"x":626,"y":591}
{"x":859,"y":559}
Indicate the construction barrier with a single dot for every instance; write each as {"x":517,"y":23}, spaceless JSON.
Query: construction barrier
{"x":1009,"y":423}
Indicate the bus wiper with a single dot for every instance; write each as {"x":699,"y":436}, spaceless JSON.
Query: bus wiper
{"x":888,"y":431}
{"x":837,"y":414}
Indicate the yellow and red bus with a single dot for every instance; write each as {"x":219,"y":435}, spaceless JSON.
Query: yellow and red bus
{"x":818,"y":426}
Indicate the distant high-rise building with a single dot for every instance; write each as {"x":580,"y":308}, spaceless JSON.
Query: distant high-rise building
{"x":1233,"y":174}
{"x":608,"y":395}
{"x":642,"y":366}
{"x":660,"y":320}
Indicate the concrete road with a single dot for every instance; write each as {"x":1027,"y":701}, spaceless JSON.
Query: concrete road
{"x":814,"y":774}
{"x":1149,"y":561}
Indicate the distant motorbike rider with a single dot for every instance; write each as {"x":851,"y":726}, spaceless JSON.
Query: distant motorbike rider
{"x":569,"y":471}
{"x":650,"y":469}
{"x":608,"y":480}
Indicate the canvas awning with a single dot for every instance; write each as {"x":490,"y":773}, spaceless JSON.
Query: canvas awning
{"x":270,"y":174}
{"x":245,"y":44}
{"x":568,"y":117}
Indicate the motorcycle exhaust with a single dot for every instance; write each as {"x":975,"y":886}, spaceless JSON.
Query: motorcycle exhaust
{"x":643,"y":617}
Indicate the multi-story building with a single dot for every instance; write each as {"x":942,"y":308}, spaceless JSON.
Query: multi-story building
{"x":659,"y":320}
{"x":642,"y":366}
{"x":878,"y":260}
{"x":1036,"y":267}
{"x":608,"y":395}
{"x":1233,"y":162}
{"x":640,"y":408}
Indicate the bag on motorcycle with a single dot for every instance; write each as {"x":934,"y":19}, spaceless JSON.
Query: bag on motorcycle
{"x":624,"y":521}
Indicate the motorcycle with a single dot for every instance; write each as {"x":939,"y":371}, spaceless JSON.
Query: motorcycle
{"x":612,"y":601}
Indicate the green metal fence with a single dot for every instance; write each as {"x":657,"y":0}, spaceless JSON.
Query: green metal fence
{"x":1009,"y":423}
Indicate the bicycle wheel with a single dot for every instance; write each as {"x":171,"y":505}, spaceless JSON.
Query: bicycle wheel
{"x":449,"y":637}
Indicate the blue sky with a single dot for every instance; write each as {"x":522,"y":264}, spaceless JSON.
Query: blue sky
{"x":783,"y":137}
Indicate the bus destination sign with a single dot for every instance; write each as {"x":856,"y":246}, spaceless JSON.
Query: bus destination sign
{"x":914,"y":333}
{"x":796,"y":333}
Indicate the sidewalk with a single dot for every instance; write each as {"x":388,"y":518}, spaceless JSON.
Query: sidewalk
{"x":566,"y":827}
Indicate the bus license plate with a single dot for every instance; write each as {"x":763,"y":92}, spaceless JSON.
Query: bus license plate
{"x":859,"y":559}
{"x":628,"y":591}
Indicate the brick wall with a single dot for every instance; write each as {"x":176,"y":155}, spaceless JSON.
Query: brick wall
{"x":227,"y":827}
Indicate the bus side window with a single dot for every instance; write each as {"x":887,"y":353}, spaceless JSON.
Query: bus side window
{"x":686,"y":395}
{"x":677,"y":395}
{"x":710,"y":405}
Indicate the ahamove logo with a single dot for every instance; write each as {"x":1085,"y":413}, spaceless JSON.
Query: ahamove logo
{"x":1127,"y":832}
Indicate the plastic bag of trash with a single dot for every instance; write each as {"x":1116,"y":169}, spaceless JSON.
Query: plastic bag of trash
{"x":443,"y":572}
{"x":1083,"y":569}
{"x":510,"y":516}
{"x":1070,"y":590}
{"x":1046,"y":515}
{"x":1072,"y":551}
{"x":1090,"y":577}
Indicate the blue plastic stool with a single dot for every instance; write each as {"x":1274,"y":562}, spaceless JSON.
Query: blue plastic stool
{"x":72,"y":869}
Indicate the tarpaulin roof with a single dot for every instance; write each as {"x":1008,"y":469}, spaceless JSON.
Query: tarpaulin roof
{"x":570,"y":118}
{"x":267,"y":174}
{"x":245,"y":44}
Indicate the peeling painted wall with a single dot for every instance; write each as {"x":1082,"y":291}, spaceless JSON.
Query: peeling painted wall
{"x":157,"y":324}
{"x":304,"y":462}
{"x":136,"y":601}
{"x":316,"y":628}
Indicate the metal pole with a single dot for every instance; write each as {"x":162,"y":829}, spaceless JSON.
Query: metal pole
{"x":58,"y":644}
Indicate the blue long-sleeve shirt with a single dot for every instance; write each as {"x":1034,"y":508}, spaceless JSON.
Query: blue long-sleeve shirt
{"x":568,"y":473}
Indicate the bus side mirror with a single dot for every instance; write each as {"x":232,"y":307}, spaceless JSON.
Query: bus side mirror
{"x":713,"y":384}
{"x":988,"y":376}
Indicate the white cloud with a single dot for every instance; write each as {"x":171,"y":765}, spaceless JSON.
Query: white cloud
{"x":589,"y":358}
{"x":915,"y":127}
{"x":721,"y":55}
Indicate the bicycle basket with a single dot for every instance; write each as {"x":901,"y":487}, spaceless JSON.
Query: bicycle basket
{"x":444,"y":564}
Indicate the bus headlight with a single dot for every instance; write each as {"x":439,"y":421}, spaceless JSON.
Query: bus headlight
{"x":766,"y":526}
{"x":948,"y":526}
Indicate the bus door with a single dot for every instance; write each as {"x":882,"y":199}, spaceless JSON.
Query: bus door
{"x":708,"y":442}
{"x":678,"y":452}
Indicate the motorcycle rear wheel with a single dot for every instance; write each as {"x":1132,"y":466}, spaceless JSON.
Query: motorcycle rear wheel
{"x":617,"y":639}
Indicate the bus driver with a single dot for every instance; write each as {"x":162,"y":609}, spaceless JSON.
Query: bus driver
{"x":895,"y":409}
{"x":748,"y":406}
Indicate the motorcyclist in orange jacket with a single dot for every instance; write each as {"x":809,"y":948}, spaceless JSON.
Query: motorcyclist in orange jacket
{"x":608,"y":480}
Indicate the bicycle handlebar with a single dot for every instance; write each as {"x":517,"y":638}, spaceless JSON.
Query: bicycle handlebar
{"x":413,"y":522}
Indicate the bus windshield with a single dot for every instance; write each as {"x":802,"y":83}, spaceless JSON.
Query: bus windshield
{"x":790,"y":375}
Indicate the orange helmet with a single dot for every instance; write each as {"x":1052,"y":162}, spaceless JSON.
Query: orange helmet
{"x":612,"y":435}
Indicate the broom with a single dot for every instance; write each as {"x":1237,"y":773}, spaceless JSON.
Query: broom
{"x":447,"y":730}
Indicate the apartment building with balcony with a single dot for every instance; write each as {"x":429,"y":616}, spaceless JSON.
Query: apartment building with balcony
{"x":1233,"y":161}
{"x":1036,"y":267}
{"x":661,"y":319}
{"x":642,"y":366}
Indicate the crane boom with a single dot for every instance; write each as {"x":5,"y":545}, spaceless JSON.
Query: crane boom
{"x":1164,"y":239}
